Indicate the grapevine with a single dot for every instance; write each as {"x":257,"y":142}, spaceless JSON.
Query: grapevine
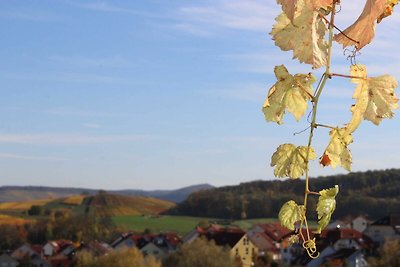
{"x":307,"y":27}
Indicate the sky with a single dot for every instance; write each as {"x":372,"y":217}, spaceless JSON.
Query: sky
{"x":164,"y":94}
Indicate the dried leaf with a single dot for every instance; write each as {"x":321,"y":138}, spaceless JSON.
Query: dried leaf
{"x":290,"y":7}
{"x":363,"y":29}
{"x":375,"y":98}
{"x":305,"y":36}
{"x":337,"y":153}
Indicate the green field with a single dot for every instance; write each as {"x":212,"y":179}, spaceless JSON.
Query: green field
{"x":179,"y":224}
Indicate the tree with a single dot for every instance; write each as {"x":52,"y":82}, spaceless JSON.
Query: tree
{"x":200,"y":253}
{"x":129,"y":257}
{"x":11,"y":236}
{"x":35,"y":210}
{"x":389,"y":255}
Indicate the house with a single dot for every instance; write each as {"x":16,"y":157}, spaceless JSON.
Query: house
{"x":96,"y":248}
{"x":360,"y":223}
{"x":26,"y":250}
{"x":345,"y":257}
{"x":7,"y":261}
{"x":337,"y":224}
{"x":268,"y":238}
{"x":31,"y":253}
{"x":336,"y":247}
{"x":154,"y":250}
{"x":385,"y":228}
{"x":150,"y":244}
{"x":239,"y":244}
{"x":54,"y":247}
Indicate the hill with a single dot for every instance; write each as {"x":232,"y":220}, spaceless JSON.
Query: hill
{"x":27,"y":193}
{"x":372,"y":193}
{"x":102,"y":204}
{"x":109,"y":205}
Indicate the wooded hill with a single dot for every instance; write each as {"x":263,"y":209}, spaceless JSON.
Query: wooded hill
{"x":373,"y":193}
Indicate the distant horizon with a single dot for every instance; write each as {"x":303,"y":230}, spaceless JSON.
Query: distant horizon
{"x":191,"y":185}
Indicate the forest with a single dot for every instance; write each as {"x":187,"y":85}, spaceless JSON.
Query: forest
{"x":373,"y":194}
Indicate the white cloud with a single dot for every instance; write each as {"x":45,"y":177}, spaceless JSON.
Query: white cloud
{"x":253,"y":15}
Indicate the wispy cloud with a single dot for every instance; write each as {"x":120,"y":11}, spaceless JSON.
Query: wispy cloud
{"x":25,"y":157}
{"x":254,"y":15}
{"x":111,"y":8}
{"x":70,"y":139}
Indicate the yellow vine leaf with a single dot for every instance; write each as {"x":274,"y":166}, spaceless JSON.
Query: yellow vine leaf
{"x":289,"y":92}
{"x":290,"y":213}
{"x":337,"y":153}
{"x":305,"y":35}
{"x":290,"y":161}
{"x":375,"y":97}
{"x":326,"y":206}
{"x":363,"y":29}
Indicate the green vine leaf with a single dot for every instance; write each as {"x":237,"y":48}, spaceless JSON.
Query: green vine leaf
{"x":290,"y":161}
{"x":291,"y":213}
{"x":337,"y":153}
{"x":375,"y":97}
{"x":326,"y":206}
{"x":289,"y":92}
{"x":305,"y":35}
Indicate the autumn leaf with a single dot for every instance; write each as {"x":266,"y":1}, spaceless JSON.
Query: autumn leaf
{"x":388,"y":9}
{"x":290,"y":213}
{"x":288,"y":93}
{"x":317,"y":4}
{"x":337,"y":153}
{"x":363,"y":29}
{"x":290,"y":161}
{"x":375,"y":98}
{"x":326,"y":206}
{"x":291,"y":7}
{"x":305,"y":35}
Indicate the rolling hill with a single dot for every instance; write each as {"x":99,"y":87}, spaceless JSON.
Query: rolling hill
{"x":102,"y":204}
{"x":26,"y":193}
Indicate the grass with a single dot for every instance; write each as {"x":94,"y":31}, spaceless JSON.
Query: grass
{"x":247,"y":224}
{"x":179,"y":224}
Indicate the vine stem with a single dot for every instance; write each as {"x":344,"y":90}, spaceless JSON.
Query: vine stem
{"x":313,"y":124}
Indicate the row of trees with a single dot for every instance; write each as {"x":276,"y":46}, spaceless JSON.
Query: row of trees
{"x":61,"y":224}
{"x":372,"y":193}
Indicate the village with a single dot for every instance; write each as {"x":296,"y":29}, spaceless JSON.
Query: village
{"x":342,"y":243}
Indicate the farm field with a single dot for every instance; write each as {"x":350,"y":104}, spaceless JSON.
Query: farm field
{"x":179,"y":224}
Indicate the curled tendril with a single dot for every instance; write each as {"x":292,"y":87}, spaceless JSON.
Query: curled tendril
{"x":352,"y":55}
{"x":311,"y":248}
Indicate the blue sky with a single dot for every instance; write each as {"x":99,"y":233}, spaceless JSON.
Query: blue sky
{"x":162,"y":94}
